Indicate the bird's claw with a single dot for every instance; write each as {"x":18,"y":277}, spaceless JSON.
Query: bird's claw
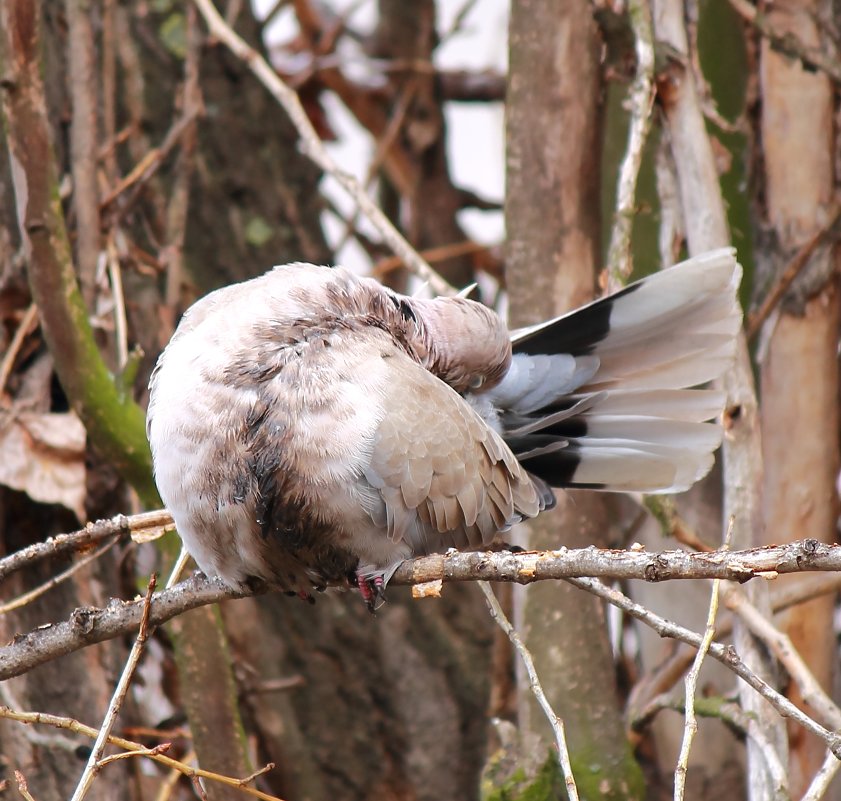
{"x":372,"y":591}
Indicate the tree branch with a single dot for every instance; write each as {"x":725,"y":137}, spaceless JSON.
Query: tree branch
{"x":641,"y":98}
{"x":312,"y":146}
{"x":147,"y":525}
{"x":90,"y":625}
{"x":726,"y":654}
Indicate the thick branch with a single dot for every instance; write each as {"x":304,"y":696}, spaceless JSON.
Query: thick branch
{"x":87,"y":626}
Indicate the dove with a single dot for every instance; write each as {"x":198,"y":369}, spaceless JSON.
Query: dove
{"x":311,"y":427}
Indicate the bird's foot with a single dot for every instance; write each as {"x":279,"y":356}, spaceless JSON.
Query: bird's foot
{"x":372,"y":590}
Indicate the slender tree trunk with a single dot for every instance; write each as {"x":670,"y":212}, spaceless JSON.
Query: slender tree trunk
{"x":554,"y":135}
{"x":800,"y":365}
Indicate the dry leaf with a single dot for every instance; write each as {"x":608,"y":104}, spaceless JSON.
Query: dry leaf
{"x":44,"y":456}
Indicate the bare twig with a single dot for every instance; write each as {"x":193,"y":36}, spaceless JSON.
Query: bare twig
{"x":88,"y":731}
{"x":37,"y":592}
{"x":733,"y":715}
{"x":149,"y":523}
{"x":823,"y":778}
{"x":780,"y":645}
{"x":143,"y":171}
{"x":786,"y":596}
{"x":23,"y":787}
{"x":313,"y":147}
{"x":120,"y":320}
{"x":619,"y":263}
{"x":269,"y":766}
{"x":93,"y":766}
{"x":725,"y":654}
{"x":439,"y":253}
{"x":26,"y":326}
{"x":536,"y":687}
{"x":691,"y":725}
{"x":792,"y":270}
{"x":146,"y":752}
{"x":178,"y":567}
{"x":395,"y":125}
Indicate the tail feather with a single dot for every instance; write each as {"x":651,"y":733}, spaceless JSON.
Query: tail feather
{"x":634,"y":423}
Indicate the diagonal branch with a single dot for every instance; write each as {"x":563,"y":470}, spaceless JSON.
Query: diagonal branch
{"x":313,"y":147}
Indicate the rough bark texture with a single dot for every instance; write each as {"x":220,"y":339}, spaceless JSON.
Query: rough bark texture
{"x":391,"y":706}
{"x":205,"y":678}
{"x":800,"y":366}
{"x":552,"y":216}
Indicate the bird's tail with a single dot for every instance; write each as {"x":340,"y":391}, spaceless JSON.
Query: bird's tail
{"x":605,"y":397}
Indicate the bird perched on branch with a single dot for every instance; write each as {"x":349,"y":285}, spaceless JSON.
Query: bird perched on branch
{"x":311,"y":426}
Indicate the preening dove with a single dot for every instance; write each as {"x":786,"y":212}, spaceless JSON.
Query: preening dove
{"x":311,"y":427}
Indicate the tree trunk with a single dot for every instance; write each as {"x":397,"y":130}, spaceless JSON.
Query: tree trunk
{"x":554,"y":130}
{"x":799,"y":368}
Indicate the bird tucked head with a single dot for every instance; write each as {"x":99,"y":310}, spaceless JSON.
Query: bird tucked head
{"x":466,"y":344}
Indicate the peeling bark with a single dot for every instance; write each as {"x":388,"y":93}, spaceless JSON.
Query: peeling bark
{"x":800,"y":365}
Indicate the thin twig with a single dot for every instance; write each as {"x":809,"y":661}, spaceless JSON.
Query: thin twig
{"x":395,"y":125}
{"x":93,"y":766}
{"x":536,"y":687}
{"x":690,"y":724}
{"x":269,"y":766}
{"x":178,"y":567}
{"x":120,"y":319}
{"x":37,"y":592}
{"x":23,"y":787}
{"x":150,"y":523}
{"x":734,"y":716}
{"x":432,"y":255}
{"x":823,"y":778}
{"x":140,"y":174}
{"x":722,"y":653}
{"x":787,"y":277}
{"x":88,"y":731}
{"x":313,"y":147}
{"x":146,"y":752}
{"x":667,"y":673}
{"x":690,"y":727}
{"x":641,"y":96}
{"x":25,"y":327}
{"x":781,"y":646}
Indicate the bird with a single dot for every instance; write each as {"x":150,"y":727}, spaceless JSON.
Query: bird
{"x":311,"y":427}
